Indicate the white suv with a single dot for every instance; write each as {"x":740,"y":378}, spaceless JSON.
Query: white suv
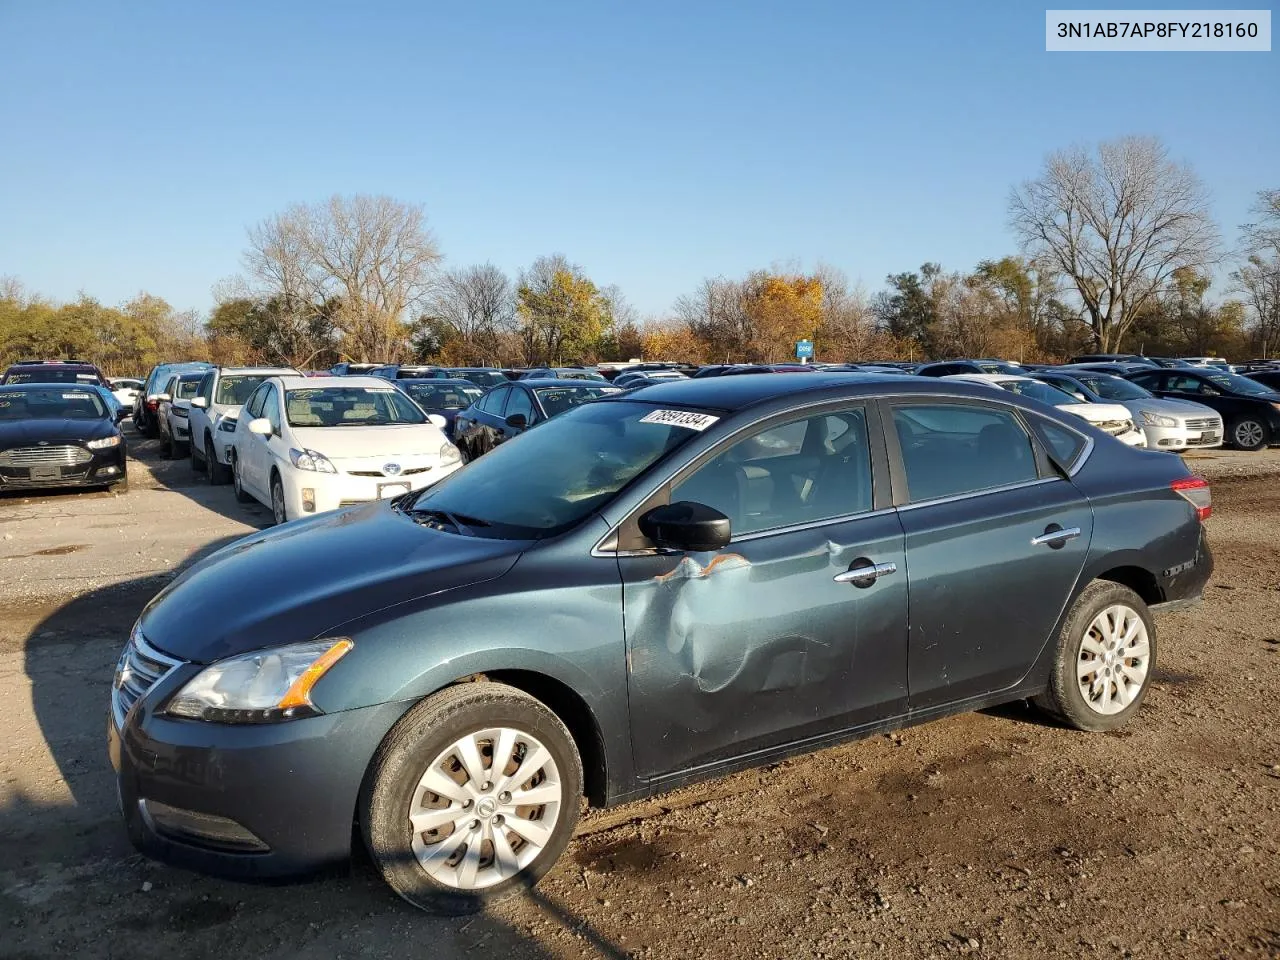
{"x":214,"y":411}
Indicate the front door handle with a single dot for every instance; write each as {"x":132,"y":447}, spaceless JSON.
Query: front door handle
{"x":865,"y":574}
{"x":1055,"y":536}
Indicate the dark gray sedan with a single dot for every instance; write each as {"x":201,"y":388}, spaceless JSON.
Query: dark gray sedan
{"x":648,"y":590}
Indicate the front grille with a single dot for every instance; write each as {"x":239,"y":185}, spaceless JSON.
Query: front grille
{"x":378,"y":473}
{"x":1207,"y":423}
{"x":141,"y":667}
{"x":1116,"y":427}
{"x":61,"y":455}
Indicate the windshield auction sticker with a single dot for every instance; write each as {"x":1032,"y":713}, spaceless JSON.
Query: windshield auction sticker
{"x":680,"y":418}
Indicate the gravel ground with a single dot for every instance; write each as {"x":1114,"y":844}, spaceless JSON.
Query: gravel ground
{"x":991,"y":834}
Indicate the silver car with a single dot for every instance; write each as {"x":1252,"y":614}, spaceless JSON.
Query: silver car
{"x":1172,"y":425}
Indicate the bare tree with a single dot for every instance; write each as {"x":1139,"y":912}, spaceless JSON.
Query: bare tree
{"x":1258,"y":276}
{"x":477,"y":304}
{"x":371,"y":256}
{"x":1117,"y":225}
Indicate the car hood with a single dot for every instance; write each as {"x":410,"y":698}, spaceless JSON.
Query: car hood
{"x":341,"y":443}
{"x":22,"y":433}
{"x":1097,"y":412}
{"x":1170,"y":408}
{"x":307,"y":578}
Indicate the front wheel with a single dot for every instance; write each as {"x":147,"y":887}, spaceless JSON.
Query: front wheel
{"x":1249,"y":433}
{"x":471,"y":798}
{"x":1105,"y":656}
{"x":218,"y":472}
{"x":278,"y":509}
{"x":237,"y":483}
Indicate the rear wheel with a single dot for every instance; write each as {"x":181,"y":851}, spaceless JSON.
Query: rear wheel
{"x":1248,"y":433}
{"x":197,"y":463}
{"x":1106,"y":654}
{"x":471,"y":798}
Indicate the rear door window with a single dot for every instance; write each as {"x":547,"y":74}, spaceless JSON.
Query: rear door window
{"x":1065,"y":444}
{"x":954,"y":449}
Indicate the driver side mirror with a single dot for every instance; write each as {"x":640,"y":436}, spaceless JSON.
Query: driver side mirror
{"x":121,"y":414}
{"x":163,"y":398}
{"x":517,"y":421}
{"x":261,"y":426}
{"x":200,"y":402}
{"x":437,"y":421}
{"x":686,"y":525}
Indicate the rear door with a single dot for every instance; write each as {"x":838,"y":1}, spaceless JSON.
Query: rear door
{"x":995,"y":541}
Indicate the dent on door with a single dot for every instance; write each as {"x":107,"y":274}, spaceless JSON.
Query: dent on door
{"x":759,"y":644}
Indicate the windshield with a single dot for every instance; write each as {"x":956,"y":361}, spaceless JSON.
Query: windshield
{"x":1236,"y":384}
{"x":236,"y":390}
{"x":1036,"y":390}
{"x":1113,"y":388}
{"x":50,"y":376}
{"x":550,"y":478}
{"x":444,"y":396}
{"x":56,"y":403}
{"x":999,"y":366}
{"x":556,"y":400}
{"x":350,"y":407}
{"x":481,"y":378}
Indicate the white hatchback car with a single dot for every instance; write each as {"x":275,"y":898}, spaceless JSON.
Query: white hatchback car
{"x":1110,"y":418}
{"x":305,"y":445}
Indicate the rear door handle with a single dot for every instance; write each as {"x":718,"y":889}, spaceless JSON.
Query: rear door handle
{"x":866,"y":574}
{"x":1055,"y":537}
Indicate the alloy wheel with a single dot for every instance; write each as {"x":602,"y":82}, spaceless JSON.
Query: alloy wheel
{"x":485,"y":808}
{"x":1114,"y":659}
{"x":1249,"y":433}
{"x":277,"y":502}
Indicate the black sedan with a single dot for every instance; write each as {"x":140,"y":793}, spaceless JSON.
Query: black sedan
{"x":59,"y":435}
{"x":445,"y":397}
{"x":1268,"y":377}
{"x":1250,"y":409}
{"x":514,"y":407}
{"x":649,"y":590}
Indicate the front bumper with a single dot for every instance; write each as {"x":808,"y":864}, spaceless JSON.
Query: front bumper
{"x":1134,"y":438}
{"x":330,"y":491}
{"x":1180,"y":438}
{"x":292,"y":787}
{"x":105,"y":467}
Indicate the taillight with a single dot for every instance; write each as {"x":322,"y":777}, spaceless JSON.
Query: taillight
{"x":1195,"y":490}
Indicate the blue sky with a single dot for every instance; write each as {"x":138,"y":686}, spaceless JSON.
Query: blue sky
{"x":653,"y":143}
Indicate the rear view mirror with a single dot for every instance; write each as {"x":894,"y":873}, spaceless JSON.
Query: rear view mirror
{"x":436,"y":420}
{"x":517,"y":421}
{"x":261,"y":426}
{"x":200,"y":402}
{"x":686,"y":525}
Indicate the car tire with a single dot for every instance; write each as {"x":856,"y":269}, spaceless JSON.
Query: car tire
{"x":242,"y":495}
{"x":1105,"y":658}
{"x":1248,"y":433}
{"x":166,"y":446}
{"x":197,"y":461}
{"x":428,"y":741}
{"x":279,"y":509}
{"x":219,"y":473}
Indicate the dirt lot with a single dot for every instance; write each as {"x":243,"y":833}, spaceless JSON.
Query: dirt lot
{"x":990,"y":834}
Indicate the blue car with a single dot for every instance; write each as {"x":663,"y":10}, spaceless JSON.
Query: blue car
{"x":647,"y":590}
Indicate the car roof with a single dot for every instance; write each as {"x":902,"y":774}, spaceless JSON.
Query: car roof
{"x":292,"y":381}
{"x":988,"y":377}
{"x":268,"y":371}
{"x":737,"y":393}
{"x":565,"y":383}
{"x":436,"y":381}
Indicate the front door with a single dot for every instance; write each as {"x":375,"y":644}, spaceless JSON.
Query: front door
{"x":769,"y":641}
{"x":994,"y":544}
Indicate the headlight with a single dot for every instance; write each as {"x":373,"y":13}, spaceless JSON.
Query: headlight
{"x":449,"y":454}
{"x":105,"y":443}
{"x":228,"y":425}
{"x":310,"y":460}
{"x":1157,"y":420}
{"x":259,"y":687}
